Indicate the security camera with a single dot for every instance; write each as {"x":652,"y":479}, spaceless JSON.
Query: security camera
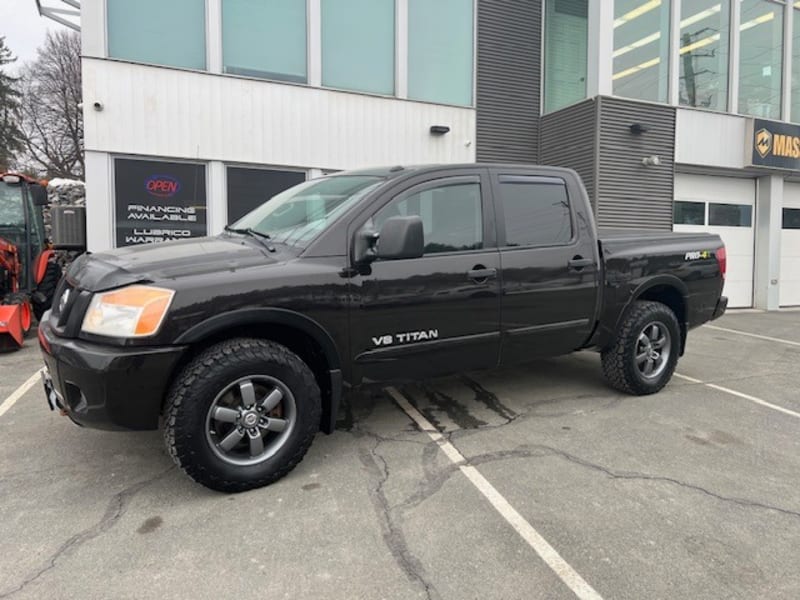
{"x":651,"y":161}
{"x":98,"y":106}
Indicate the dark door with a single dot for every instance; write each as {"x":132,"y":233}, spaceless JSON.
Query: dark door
{"x":549,"y":265}
{"x":439,"y":313}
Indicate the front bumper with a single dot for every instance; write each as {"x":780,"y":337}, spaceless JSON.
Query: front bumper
{"x":108,"y":387}
{"x":719,"y":310}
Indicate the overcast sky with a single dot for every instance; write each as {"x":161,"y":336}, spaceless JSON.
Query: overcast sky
{"x":23,"y":28}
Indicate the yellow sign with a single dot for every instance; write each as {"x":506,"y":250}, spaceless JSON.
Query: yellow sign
{"x":763,"y":142}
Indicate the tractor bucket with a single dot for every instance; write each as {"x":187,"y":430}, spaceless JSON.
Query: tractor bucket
{"x":11,"y":326}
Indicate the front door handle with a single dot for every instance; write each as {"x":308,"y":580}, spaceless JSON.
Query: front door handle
{"x":479,"y":274}
{"x":578,"y":262}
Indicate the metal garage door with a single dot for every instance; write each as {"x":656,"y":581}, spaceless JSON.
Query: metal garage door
{"x":725,"y":206}
{"x":790,"y":247}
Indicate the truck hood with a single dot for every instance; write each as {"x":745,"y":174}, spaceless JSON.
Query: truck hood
{"x":165,"y":261}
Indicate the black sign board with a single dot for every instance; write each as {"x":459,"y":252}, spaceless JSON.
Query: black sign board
{"x":158,"y":201}
{"x":773,"y":144}
{"x":250,"y":188}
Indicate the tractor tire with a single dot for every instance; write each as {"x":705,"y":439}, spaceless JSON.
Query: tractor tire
{"x":42,"y":297}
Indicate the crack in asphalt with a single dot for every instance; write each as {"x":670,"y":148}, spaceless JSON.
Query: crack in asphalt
{"x":540,"y":450}
{"x":117,"y":507}
{"x":393,"y":535}
{"x":632,"y":475}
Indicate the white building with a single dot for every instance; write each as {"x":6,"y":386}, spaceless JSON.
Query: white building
{"x":651,"y":101}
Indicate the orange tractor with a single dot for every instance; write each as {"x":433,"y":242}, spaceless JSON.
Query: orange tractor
{"x":28,"y":271}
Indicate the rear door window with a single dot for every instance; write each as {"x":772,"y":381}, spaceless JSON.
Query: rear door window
{"x":536,"y":211}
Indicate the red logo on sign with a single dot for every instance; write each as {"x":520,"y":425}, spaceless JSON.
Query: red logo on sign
{"x":162,"y":186}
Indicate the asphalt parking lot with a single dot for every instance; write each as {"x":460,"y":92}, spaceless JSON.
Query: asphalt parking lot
{"x":690,"y":493}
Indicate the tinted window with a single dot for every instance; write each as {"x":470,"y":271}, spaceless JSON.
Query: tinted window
{"x":451,"y":216}
{"x":440,"y":58}
{"x":730,"y":215}
{"x":153,"y":31}
{"x":791,"y":218}
{"x":265,"y":39}
{"x":358,"y":45}
{"x":250,"y":188}
{"x":690,"y":213}
{"x":536,"y":213}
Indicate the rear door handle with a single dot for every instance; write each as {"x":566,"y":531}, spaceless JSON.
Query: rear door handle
{"x":480,"y":274}
{"x":578,"y":262}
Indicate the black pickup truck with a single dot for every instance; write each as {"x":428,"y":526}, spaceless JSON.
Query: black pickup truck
{"x":241,"y":344}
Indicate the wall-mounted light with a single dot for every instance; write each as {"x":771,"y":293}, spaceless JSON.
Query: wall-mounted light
{"x":651,"y":161}
{"x":638,"y":129}
{"x":439,"y":129}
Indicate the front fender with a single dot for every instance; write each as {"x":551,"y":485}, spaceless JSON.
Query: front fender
{"x":265,"y":316}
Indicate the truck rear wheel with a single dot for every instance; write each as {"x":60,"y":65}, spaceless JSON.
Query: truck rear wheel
{"x":645,"y":352}
{"x":242,"y":414}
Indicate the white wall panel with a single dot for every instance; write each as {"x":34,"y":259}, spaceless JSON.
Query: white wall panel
{"x":708,"y":138}
{"x":171,"y":113}
{"x":789,"y":294}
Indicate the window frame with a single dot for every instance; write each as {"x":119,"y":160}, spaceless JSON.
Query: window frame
{"x":750,"y":207}
{"x":502,"y":241}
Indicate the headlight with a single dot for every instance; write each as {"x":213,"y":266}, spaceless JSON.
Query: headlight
{"x":134,"y":311}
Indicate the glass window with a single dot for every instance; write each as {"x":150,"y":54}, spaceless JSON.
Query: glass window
{"x":153,"y":31}
{"x":565,"y":52}
{"x":791,"y":218}
{"x":761,"y":59}
{"x":250,"y":188}
{"x":641,"y":49}
{"x":12,"y":212}
{"x":440,"y":51}
{"x":730,"y":215}
{"x":796,"y":66}
{"x":689,"y":213}
{"x":298,"y":215}
{"x":703,"y":54}
{"x":265,"y":39}
{"x":358,"y":45}
{"x":451,"y":216}
{"x":158,"y":201}
{"x":535,"y":213}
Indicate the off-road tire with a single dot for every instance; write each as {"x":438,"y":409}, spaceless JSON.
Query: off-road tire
{"x":619,"y":361}
{"x":42,"y":297}
{"x":198,"y":384}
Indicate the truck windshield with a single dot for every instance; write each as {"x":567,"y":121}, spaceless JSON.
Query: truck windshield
{"x":12,"y":213}
{"x":298,"y":215}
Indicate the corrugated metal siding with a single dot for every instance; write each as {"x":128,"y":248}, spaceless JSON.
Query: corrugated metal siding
{"x":508,"y":76}
{"x":567,"y":139}
{"x":170,"y":113}
{"x":630,"y":194}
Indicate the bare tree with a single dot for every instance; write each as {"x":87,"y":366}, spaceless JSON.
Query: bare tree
{"x":52,"y":119}
{"x":10,"y":135}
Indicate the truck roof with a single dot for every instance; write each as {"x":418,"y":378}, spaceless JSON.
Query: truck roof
{"x":399,"y":170}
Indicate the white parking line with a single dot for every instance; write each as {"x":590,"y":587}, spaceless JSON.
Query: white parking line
{"x":714,"y":386}
{"x":754,"y":335}
{"x":19,"y":392}
{"x":540,"y":545}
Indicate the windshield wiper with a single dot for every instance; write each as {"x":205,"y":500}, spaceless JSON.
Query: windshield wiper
{"x":252,"y":233}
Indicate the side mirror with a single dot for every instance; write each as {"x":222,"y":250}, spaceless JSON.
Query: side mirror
{"x":401,"y":237}
{"x":39,"y":195}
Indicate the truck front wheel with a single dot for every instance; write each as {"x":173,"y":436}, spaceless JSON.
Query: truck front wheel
{"x":645,"y":352}
{"x":242,"y":414}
